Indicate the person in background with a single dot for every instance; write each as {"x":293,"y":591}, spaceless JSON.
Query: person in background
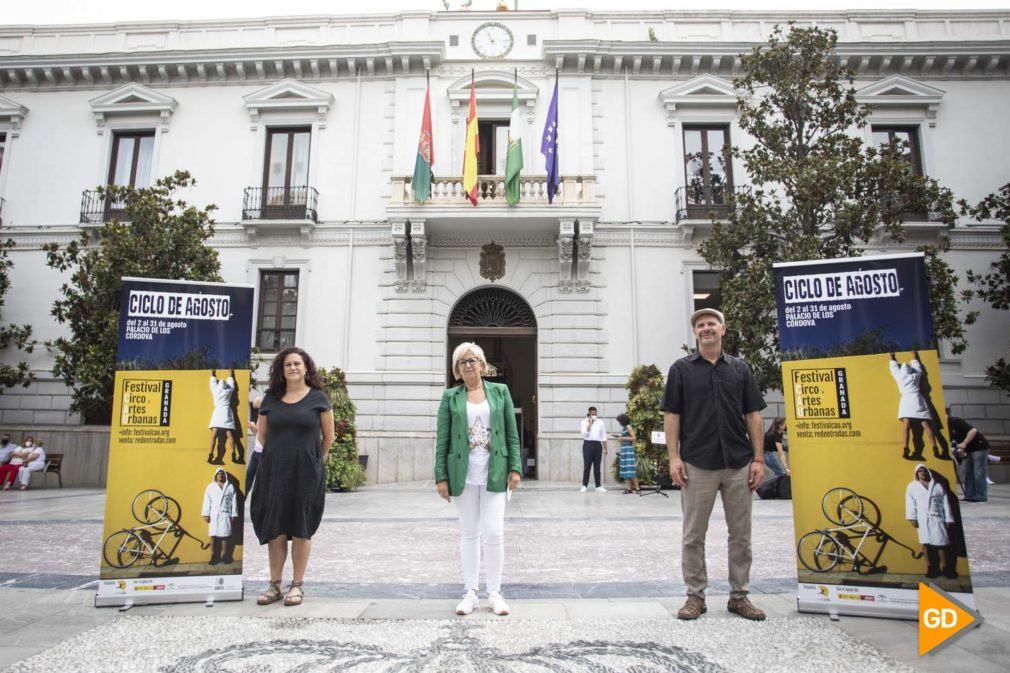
{"x":629,"y":461}
{"x":775,"y":452}
{"x":594,"y":445}
{"x":477,"y":462}
{"x":34,"y":460}
{"x":8,"y":472}
{"x":974,"y":450}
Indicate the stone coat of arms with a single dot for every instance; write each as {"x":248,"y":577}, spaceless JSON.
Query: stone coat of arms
{"x":492,"y":261}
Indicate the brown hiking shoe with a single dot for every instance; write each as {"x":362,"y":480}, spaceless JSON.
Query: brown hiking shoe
{"x":693,"y":608}
{"x":743,"y":607}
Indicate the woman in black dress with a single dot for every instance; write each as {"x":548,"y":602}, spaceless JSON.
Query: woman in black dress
{"x":287,"y":503}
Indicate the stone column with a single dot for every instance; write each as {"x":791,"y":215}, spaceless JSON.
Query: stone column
{"x":566,"y":240}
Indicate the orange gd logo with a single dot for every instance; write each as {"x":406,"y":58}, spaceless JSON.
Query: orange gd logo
{"x":942,"y":618}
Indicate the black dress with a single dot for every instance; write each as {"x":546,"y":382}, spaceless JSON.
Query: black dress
{"x":291,"y":478}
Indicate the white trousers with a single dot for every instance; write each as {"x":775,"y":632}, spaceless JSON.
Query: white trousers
{"x":481,"y":523}
{"x":25,"y":473}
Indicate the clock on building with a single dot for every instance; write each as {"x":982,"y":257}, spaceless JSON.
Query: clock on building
{"x":492,"y":40}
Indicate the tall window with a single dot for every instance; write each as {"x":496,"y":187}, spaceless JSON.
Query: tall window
{"x":3,"y":146}
{"x":708,"y":169}
{"x":286,"y":173}
{"x":132,"y":155}
{"x":884,"y":135}
{"x":494,"y":146}
{"x":278,"y":310}
{"x":707,"y":290}
{"x":910,"y":153}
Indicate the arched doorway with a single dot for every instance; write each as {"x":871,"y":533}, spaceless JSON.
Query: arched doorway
{"x":504,"y":325}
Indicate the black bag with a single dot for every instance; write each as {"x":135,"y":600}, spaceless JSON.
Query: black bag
{"x":777,"y":488}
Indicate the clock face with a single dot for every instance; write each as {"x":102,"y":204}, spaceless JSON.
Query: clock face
{"x":492,"y":40}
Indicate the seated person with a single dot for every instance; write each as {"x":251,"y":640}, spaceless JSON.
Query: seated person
{"x":10,"y":460}
{"x":34,"y":457}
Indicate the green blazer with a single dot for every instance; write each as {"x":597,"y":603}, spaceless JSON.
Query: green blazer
{"x":452,"y":446}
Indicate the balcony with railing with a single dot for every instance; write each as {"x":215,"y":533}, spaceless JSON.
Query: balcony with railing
{"x":703,"y":202}
{"x":96,"y":209}
{"x":281,"y":203}
{"x":573,"y":190}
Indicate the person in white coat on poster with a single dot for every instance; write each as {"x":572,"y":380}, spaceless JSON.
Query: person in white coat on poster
{"x":928,"y":510}
{"x":222,"y":420}
{"x":913,"y":405}
{"x":219,"y":513}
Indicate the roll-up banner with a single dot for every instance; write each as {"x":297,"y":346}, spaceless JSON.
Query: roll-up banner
{"x":174,"y":505}
{"x":875,"y":493}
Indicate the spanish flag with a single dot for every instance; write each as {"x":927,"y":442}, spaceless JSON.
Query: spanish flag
{"x":472,"y":149}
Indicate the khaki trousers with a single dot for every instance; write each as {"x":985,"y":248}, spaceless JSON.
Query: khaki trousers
{"x":697,"y":500}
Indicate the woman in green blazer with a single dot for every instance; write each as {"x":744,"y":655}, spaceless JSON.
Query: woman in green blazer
{"x":477,"y":462}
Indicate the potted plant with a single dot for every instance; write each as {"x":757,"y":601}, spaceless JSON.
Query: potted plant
{"x":344,"y":470}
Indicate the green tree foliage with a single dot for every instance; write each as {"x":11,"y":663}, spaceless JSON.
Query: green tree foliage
{"x":645,"y":399}
{"x":343,"y":471}
{"x":817,"y":191}
{"x":993,"y":287}
{"x":18,"y":336}
{"x":160,"y":237}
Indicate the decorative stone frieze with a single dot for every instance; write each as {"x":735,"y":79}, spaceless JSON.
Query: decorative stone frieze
{"x":585,"y":248}
{"x":398,"y":232}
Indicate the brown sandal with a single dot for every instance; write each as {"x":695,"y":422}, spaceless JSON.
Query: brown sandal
{"x":271,"y":595}
{"x":294,"y":599}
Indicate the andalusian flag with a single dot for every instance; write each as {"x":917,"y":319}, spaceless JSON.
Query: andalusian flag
{"x":472,"y":149}
{"x":514,"y":159}
{"x":425,"y":154}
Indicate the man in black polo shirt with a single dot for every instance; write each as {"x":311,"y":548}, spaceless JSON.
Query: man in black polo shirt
{"x":712,"y":418}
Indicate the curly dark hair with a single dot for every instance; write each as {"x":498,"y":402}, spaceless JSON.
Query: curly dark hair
{"x":278,"y":386}
{"x":624,"y":419}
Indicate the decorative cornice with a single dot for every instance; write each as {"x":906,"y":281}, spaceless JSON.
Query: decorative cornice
{"x":133,"y":99}
{"x":200,"y":67}
{"x":898,"y":91}
{"x":288,"y":95}
{"x":974,"y":59}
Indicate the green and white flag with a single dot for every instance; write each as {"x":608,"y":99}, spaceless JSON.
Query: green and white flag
{"x":514,"y":158}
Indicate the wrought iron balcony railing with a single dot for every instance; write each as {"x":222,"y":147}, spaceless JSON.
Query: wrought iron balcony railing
{"x":96,"y":208}
{"x":281,"y":203}
{"x":703,"y":202}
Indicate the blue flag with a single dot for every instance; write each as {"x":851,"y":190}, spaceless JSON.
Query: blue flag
{"x":549,"y":146}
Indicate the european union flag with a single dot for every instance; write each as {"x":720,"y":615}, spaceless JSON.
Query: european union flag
{"x":549,"y":146}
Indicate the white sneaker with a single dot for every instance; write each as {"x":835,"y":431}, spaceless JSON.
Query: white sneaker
{"x":600,"y":489}
{"x":497,"y":604}
{"x":469,"y":603}
{"x":582,"y":490}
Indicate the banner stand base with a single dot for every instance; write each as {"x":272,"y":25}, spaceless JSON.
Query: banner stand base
{"x":835,"y":611}
{"x":125,"y":603}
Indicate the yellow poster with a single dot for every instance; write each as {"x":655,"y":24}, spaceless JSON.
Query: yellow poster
{"x":175,"y":500}
{"x":875,"y":493}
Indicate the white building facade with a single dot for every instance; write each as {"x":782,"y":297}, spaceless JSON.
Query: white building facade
{"x":304,"y":132}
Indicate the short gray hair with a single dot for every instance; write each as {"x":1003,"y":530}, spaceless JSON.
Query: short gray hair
{"x":461,"y":350}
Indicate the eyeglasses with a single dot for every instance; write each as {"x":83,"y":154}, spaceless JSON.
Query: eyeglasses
{"x":469,"y":362}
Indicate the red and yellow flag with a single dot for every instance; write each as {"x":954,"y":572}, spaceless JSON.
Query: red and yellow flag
{"x":471,"y":151}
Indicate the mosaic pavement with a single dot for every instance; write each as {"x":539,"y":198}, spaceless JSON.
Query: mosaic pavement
{"x":269,"y":645}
